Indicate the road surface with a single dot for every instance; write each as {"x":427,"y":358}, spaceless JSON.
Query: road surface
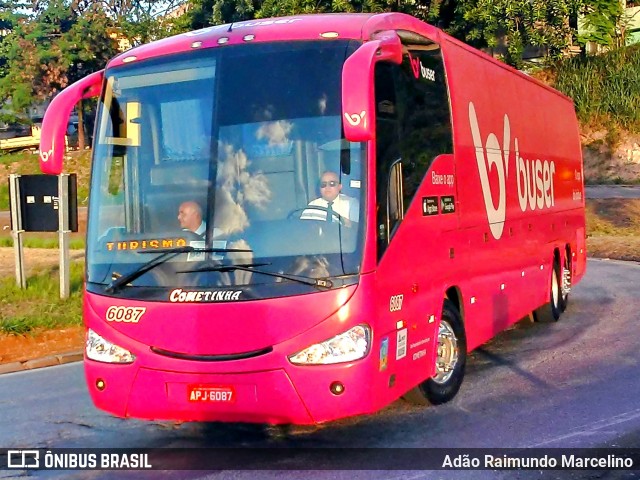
{"x":574,"y":383}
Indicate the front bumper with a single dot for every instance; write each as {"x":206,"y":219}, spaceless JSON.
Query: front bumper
{"x":291,"y":395}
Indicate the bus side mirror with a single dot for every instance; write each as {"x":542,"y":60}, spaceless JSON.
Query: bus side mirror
{"x":56,"y":119}
{"x":358,"y":89}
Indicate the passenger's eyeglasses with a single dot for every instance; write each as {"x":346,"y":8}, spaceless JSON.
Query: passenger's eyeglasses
{"x":331,"y":183}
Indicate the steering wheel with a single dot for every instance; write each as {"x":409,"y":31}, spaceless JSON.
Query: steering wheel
{"x":341,"y":219}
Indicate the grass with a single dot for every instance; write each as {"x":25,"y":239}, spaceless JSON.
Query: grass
{"x":42,"y":242}
{"x":613,"y":228}
{"x":39,"y":305}
{"x":613,"y":217}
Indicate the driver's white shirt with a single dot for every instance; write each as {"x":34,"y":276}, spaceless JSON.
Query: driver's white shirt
{"x":343,"y":205}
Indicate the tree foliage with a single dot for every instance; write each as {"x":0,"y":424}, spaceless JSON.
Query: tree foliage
{"x":506,"y":26}
{"x":510,"y":26}
{"x":45,"y":52}
{"x":50,"y":44}
{"x":603,"y":20}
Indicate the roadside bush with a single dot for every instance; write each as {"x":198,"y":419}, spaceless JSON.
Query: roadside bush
{"x":605,"y":88}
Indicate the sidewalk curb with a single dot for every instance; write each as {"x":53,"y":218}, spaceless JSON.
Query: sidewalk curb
{"x":48,"y":361}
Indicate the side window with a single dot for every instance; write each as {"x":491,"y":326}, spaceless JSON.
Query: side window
{"x":413,"y":127}
{"x":388,"y":190}
{"x":424,"y":115}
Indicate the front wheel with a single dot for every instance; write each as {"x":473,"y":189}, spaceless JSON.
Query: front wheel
{"x":451,"y":359}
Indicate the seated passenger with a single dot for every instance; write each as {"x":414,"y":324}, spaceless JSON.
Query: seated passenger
{"x":190,"y":218}
{"x":332,"y":200}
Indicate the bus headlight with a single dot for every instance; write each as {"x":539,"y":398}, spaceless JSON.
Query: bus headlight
{"x":346,"y":347}
{"x":101,"y":350}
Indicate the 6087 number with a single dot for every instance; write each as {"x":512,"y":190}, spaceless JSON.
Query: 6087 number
{"x":124,"y":314}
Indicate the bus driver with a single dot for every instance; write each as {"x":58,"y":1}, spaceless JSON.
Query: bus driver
{"x":190,"y":218}
{"x":331,"y":200}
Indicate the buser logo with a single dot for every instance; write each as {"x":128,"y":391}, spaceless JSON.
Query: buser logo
{"x":534,"y":178}
{"x":354,"y":119}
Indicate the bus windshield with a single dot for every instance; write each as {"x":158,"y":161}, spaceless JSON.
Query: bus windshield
{"x":235,"y":153}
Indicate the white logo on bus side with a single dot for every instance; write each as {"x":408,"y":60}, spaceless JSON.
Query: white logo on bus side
{"x":44,"y":156}
{"x":533,"y":177}
{"x":355,"y":119}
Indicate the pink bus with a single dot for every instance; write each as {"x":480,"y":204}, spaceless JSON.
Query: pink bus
{"x":373,"y":199}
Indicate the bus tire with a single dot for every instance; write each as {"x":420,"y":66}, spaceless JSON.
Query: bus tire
{"x":451,"y":359}
{"x":565,"y":279}
{"x":550,"y":311}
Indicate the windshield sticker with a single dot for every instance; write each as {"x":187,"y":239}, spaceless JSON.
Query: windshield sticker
{"x":429,"y":206}
{"x":147,"y":244}
{"x":179,"y":295}
{"x":124,"y":314}
{"x":384,"y":354}
{"x":196,"y":256}
{"x":401,"y":345}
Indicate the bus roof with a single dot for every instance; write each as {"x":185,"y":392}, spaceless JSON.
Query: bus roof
{"x":329,"y":26}
{"x":356,"y":26}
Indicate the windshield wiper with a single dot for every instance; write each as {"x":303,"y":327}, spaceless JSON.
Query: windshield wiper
{"x":250,"y":267}
{"x":165,"y":255}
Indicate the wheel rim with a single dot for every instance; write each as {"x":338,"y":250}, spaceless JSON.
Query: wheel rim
{"x":447,"y":356}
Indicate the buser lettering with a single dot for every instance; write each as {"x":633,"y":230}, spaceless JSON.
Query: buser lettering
{"x":535,"y":182}
{"x":535,"y":178}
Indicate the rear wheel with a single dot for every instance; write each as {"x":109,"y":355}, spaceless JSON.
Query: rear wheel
{"x":550,"y":311}
{"x":565,"y":287}
{"x":451,"y":359}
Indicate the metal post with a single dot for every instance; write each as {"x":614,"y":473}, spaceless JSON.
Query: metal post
{"x":63,"y":233}
{"x":16,"y":229}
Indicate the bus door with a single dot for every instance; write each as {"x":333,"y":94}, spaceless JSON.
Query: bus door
{"x":413,"y":134}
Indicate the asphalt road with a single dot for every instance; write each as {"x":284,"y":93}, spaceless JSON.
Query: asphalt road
{"x":574,"y":383}
{"x":612,"y":191}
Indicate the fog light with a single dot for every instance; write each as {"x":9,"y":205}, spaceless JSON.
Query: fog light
{"x":100,"y":385}
{"x":336,"y":388}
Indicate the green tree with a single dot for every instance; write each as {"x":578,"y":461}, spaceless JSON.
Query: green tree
{"x":140,"y":21}
{"x":276,"y":8}
{"x":50,"y":49}
{"x":89,"y":45}
{"x":9,"y":20}
{"x":204,"y":13}
{"x":603,"y":21}
{"x":34,"y":61}
{"x":509,"y":26}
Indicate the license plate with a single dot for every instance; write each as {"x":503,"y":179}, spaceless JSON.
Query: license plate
{"x":211,"y":394}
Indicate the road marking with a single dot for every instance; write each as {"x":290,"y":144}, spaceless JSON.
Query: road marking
{"x":593,"y":428}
